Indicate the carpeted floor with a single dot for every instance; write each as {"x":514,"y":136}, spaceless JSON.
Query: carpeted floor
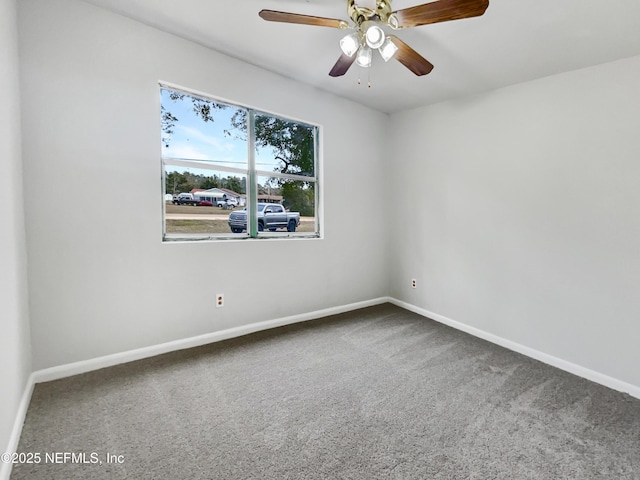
{"x":379,"y":393}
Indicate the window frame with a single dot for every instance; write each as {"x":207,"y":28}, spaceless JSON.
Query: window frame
{"x":252,"y":173}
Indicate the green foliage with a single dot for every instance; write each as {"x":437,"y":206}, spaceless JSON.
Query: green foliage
{"x":292,"y":143}
{"x":299,"y":198}
{"x":176,"y":183}
{"x":201,"y":106}
{"x":168,"y":122}
{"x":235,"y":184}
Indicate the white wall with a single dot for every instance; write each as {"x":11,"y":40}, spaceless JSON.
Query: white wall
{"x":101,"y":281}
{"x":15,"y":353}
{"x":522,"y":214}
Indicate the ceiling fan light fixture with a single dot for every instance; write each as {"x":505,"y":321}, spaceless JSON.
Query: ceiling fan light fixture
{"x":364,"y":57}
{"x":350,"y":44}
{"x":375,"y":36}
{"x":387,"y":50}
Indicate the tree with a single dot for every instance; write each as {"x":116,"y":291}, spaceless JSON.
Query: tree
{"x":177,"y":182}
{"x":168,"y":122}
{"x":292,"y":143}
{"x":233,"y":183}
{"x":299,"y":198}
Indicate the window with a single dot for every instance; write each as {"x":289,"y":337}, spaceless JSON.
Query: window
{"x":232,"y":172}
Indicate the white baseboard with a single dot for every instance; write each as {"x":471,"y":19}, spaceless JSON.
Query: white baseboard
{"x":68,"y":370}
{"x":84,"y":366}
{"x":62,"y":371}
{"x":16,"y":431}
{"x":565,"y":365}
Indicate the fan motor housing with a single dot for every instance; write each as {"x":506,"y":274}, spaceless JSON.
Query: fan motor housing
{"x":361,"y":14}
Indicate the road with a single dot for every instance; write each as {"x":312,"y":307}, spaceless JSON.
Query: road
{"x":197,"y":216}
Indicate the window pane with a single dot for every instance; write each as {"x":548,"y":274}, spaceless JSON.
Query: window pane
{"x":201,"y":129}
{"x":297,"y":197}
{"x":198,"y":202}
{"x":284,"y":146}
{"x":300,"y":197}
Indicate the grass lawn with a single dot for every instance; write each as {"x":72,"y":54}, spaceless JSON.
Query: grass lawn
{"x":197,"y":226}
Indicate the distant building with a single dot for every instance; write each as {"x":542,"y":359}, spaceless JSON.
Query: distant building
{"x":270,"y":198}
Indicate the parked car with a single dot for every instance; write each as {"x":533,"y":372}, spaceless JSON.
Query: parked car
{"x":271,"y":216}
{"x":227,"y":202}
{"x":204,"y":203}
{"x":185,"y":201}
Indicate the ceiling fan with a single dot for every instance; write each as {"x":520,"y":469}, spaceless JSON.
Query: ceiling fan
{"x":368,"y":34}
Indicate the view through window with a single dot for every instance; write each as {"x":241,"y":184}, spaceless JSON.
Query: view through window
{"x":234,"y":172}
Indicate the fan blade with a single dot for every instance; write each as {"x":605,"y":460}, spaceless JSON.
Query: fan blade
{"x":410,"y":58}
{"x":342,"y":65}
{"x":274,"y":16}
{"x":440,"y":11}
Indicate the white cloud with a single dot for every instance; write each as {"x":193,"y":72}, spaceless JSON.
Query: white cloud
{"x":192,"y":143}
{"x":192,"y":133}
{"x":180,"y":150}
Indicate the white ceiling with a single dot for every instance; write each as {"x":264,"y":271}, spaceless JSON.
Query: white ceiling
{"x":514,"y":41}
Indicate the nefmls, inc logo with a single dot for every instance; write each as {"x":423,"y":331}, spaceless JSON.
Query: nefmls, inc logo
{"x":72,"y":457}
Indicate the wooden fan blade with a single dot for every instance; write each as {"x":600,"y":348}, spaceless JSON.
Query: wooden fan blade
{"x":440,"y":11}
{"x":274,"y":16}
{"x":410,"y":58}
{"x":342,"y":65}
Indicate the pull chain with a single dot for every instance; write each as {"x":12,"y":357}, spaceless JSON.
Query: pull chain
{"x":368,"y":78}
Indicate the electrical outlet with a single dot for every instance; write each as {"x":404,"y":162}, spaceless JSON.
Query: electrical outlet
{"x":219,"y":300}
{"x":414,"y":283}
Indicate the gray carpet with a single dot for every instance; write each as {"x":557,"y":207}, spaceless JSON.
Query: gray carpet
{"x":373,"y":394}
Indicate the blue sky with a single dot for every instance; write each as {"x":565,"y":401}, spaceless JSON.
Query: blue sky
{"x":196,"y":139}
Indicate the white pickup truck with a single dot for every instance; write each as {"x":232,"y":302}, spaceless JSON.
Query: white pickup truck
{"x":271,"y":216}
